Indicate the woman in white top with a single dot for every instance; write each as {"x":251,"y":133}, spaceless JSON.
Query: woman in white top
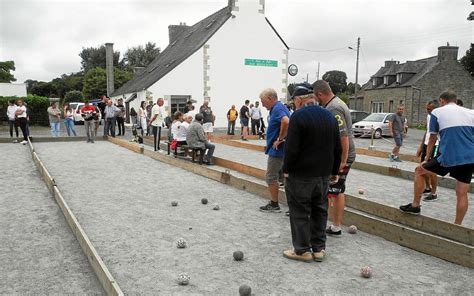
{"x":177,"y":119}
{"x":11,"y":117}
{"x":142,"y":116}
{"x":69,"y":120}
{"x":22,"y":120}
{"x":183,"y":130}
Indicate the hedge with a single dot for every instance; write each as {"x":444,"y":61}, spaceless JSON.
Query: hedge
{"x":36,"y":106}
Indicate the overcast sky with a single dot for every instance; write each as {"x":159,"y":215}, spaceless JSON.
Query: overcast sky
{"x":44,"y":37}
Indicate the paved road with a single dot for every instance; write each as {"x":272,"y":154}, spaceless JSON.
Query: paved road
{"x":128,"y":216}
{"x":38,"y":253}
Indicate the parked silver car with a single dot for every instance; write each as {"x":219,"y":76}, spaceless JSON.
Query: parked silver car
{"x":377,"y":121}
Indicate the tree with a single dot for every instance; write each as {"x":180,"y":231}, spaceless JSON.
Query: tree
{"x":43,"y":89}
{"x":351,"y":87}
{"x":73,"y":96}
{"x":468,"y":60}
{"x":140,"y":56}
{"x":5,"y":68}
{"x":95,"y":82}
{"x":94,"y":57}
{"x":29,"y":84}
{"x":337,"y":80}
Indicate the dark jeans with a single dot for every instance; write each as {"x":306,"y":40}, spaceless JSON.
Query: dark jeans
{"x":23,"y":123}
{"x":110,"y":127}
{"x":231,"y":127}
{"x":308,"y":203}
{"x":210,"y":151}
{"x":156,"y":136}
{"x":12,"y":125}
{"x":121,"y":125}
{"x":255,"y":126}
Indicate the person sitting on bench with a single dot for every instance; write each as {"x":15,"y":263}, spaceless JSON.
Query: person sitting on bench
{"x":196,"y":138}
{"x":175,"y":126}
{"x":183,"y":130}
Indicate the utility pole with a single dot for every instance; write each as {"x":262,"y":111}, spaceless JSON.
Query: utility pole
{"x":356,"y":89}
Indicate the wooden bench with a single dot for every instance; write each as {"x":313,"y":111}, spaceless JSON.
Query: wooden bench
{"x":195,"y":152}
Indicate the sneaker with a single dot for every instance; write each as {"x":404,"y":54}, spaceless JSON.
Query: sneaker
{"x":431,"y":197}
{"x":270,"y":208}
{"x":287,"y":213}
{"x":92,"y":141}
{"x":305,"y":257}
{"x":427,"y":190}
{"x":281,"y":184}
{"x":245,"y":140}
{"x":397,"y":159}
{"x":410,"y":210}
{"x":390,"y":157}
{"x":24,"y":142}
{"x":334,"y":232}
{"x":319,"y":256}
{"x":88,"y":141}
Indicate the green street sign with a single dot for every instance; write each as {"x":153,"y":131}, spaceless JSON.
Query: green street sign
{"x":262,"y":63}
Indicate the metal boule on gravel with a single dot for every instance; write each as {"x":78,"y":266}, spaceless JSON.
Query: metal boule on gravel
{"x":245,"y":290}
{"x":366,"y":272}
{"x":238,"y":255}
{"x":352,"y":229}
{"x":204,"y":201}
{"x":183,"y":279}
{"x":216,"y":208}
{"x":174,"y":203}
{"x":361,"y":191}
{"x":181,"y":243}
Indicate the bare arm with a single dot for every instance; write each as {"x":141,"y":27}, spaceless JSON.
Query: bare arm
{"x":431,"y":144}
{"x":345,"y":151}
{"x":285,"y":121}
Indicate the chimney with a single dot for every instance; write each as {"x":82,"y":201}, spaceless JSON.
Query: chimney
{"x":390,"y":63}
{"x":231,"y":5}
{"x":447,"y":53}
{"x":109,"y":67}
{"x":175,"y":30}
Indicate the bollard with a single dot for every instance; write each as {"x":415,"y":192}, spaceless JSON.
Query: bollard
{"x":372,"y":147}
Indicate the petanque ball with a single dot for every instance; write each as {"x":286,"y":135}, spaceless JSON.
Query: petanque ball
{"x":245,"y":290}
{"x":183,"y":278}
{"x":181,"y":243}
{"x":204,"y":201}
{"x":238,"y":255}
{"x":352,"y":229}
{"x":361,"y":191}
{"x":366,"y":272}
{"x":216,"y":208}
{"x":174,"y":203}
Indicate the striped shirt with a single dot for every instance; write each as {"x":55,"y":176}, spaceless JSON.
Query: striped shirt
{"x":455,"y":126}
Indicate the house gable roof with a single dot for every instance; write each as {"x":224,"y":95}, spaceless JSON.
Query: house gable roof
{"x":186,"y":43}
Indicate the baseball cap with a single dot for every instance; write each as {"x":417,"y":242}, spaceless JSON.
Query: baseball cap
{"x":302,"y":89}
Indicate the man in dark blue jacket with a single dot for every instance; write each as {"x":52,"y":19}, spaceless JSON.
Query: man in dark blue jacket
{"x":311,"y":163}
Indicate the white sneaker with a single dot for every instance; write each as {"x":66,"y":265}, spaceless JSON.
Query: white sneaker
{"x":15,"y":141}
{"x":24,"y":142}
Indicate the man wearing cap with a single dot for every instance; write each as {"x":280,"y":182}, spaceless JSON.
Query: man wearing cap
{"x":276,"y":134}
{"x":339,"y":109}
{"x":312,"y":159}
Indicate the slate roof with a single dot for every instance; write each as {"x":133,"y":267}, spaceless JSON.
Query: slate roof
{"x":186,"y":43}
{"x":419,"y":67}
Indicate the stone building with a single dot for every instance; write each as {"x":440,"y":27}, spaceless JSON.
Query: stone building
{"x":414,"y":83}
{"x":226,"y":58}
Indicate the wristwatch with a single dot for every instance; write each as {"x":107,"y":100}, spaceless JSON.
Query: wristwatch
{"x":281,"y":140}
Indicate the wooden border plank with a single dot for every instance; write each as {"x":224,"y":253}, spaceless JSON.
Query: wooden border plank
{"x":100,"y":269}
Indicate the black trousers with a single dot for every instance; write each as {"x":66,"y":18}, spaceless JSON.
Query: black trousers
{"x":255,"y":126}
{"x":23,"y":123}
{"x":156,"y":136}
{"x":12,"y":125}
{"x":308,"y":203}
{"x":121,"y":125}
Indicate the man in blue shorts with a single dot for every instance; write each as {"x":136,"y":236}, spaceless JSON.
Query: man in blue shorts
{"x":396,"y":126}
{"x":455,"y":126}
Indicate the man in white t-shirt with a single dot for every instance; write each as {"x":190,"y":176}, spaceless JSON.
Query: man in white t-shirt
{"x":255,"y":115}
{"x":431,"y":180}
{"x":158,"y":114}
{"x":12,"y":107}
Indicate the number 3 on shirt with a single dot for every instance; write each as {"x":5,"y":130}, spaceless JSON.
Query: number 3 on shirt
{"x":340,"y":122}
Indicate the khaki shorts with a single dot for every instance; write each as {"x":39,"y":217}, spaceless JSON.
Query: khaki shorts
{"x":274,"y":165}
{"x":207,"y":127}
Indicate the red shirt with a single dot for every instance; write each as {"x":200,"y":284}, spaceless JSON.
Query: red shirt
{"x":88,"y":108}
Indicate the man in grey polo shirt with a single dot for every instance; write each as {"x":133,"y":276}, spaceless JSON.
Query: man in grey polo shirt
{"x":396,"y":125}
{"x":339,"y":109}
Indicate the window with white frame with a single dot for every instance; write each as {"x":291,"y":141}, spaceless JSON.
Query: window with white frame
{"x":377,"y":107}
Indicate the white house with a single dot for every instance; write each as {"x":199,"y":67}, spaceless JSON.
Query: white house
{"x":228,"y":57}
{"x":12,"y":89}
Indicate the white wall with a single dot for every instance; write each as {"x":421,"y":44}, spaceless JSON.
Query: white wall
{"x":248,"y":35}
{"x":12,"y":89}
